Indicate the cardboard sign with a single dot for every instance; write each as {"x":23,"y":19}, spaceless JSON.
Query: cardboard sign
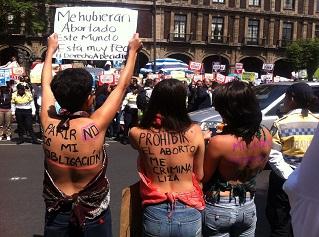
{"x":239,"y":66}
{"x":195,"y":66}
{"x":94,"y":33}
{"x":229,"y":79}
{"x":266,"y":78}
{"x":249,"y":76}
{"x":179,"y":75}
{"x":220,"y":78}
{"x":209,"y":76}
{"x":268,"y":67}
{"x":106,"y":79}
{"x":198,"y":78}
{"x":4,"y":76}
{"x":65,"y":66}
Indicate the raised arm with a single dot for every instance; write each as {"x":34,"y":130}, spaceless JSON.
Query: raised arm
{"x":47,"y":96}
{"x":105,"y":114}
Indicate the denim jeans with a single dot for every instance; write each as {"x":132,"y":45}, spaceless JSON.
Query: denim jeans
{"x":169,"y":220}
{"x":59,"y":226}
{"x":229,"y":218}
{"x":5,"y":123}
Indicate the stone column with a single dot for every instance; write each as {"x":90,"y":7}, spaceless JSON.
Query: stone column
{"x":294,"y":33}
{"x":199,"y":28}
{"x":272,"y":5}
{"x":225,"y":27}
{"x":237,"y":3}
{"x":305,"y":6}
{"x":304,"y":29}
{"x":261,"y":32}
{"x":236,"y":29}
{"x":271,"y":32}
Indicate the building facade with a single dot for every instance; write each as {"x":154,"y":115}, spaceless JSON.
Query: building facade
{"x":252,"y":32}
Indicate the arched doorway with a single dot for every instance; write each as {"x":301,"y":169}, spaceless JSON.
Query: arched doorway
{"x":186,"y":59}
{"x":283,"y":68}
{"x":252,"y":64}
{"x":210,"y":60}
{"x":6,"y":55}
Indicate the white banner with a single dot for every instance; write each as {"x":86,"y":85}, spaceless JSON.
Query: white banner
{"x":94,"y":33}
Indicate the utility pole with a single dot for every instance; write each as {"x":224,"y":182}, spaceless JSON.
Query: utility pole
{"x":154,"y":35}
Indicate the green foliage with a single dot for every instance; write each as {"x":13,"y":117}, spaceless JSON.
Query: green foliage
{"x":304,"y":54}
{"x":31,"y":13}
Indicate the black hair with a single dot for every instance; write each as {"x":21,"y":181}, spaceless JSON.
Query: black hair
{"x":237,"y":104}
{"x":169,"y":100}
{"x":303,"y":95}
{"x":71,"y":88}
{"x":148,"y":83}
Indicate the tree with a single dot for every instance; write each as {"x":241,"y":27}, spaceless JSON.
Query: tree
{"x":17,"y":13}
{"x":304,"y":54}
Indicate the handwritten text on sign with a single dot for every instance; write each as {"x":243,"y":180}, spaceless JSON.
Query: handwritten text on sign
{"x":94,"y":33}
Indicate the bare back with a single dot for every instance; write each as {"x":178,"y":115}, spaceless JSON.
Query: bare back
{"x":168,"y":158}
{"x":233,"y":159}
{"x":73,"y":156}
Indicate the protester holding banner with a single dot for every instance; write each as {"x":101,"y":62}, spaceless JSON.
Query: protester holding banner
{"x":76,"y":190}
{"x":233,"y":159}
{"x":170,"y":164}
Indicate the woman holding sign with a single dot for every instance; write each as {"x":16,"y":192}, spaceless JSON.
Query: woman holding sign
{"x":170,"y":164}
{"x":76,"y":190}
{"x":233,"y":159}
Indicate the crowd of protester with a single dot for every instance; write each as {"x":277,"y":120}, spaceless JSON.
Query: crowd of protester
{"x":174,"y":156}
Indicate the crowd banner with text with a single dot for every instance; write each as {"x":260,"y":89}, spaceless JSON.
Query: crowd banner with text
{"x":94,"y":33}
{"x":249,"y":76}
{"x":195,"y":66}
{"x":4,"y":76}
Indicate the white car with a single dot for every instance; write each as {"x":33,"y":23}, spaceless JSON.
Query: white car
{"x":270,"y":97}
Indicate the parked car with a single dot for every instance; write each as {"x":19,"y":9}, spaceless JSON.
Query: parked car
{"x":270,"y":97}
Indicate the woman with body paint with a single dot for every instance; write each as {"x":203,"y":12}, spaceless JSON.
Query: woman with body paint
{"x":170,"y":164}
{"x":75,"y":188}
{"x":233,"y":158}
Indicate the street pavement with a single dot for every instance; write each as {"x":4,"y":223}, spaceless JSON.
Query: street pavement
{"x":21,"y":175}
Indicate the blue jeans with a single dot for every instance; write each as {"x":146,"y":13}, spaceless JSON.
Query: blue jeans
{"x":229,"y":218}
{"x":59,"y":226}
{"x":166,"y":220}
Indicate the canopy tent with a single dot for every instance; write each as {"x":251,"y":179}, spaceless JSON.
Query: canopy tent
{"x":165,"y":65}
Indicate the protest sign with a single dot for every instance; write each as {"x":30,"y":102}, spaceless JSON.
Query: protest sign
{"x":65,"y":66}
{"x":249,"y":76}
{"x":106,"y":79}
{"x":266,"y":78}
{"x":195,"y":66}
{"x":239,"y":66}
{"x":35,"y":73}
{"x":268,"y":67}
{"x":94,"y":33}
{"x":220,"y":78}
{"x":16,"y":72}
{"x":198,"y":78}
{"x":4,"y":76}
{"x":209,"y":76}
{"x":179,"y":75}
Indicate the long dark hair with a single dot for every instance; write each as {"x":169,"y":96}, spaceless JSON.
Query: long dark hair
{"x":237,"y":104}
{"x":169,"y":100}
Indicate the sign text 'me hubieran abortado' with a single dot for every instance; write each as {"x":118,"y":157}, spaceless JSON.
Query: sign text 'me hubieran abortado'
{"x":94,"y":33}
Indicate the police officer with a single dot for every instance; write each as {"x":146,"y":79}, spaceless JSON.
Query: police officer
{"x":292,"y":135}
{"x":22,"y":107}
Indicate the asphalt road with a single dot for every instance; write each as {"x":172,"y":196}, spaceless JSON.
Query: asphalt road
{"x":21,"y":175}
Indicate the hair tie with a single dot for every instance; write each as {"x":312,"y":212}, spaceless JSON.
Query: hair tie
{"x":158,"y":120}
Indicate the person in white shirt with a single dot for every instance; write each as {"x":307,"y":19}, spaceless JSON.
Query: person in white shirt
{"x":303,"y":193}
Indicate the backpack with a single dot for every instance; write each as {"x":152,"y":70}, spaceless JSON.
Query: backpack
{"x":142,"y":100}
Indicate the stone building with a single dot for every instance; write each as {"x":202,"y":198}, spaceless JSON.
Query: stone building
{"x":252,"y":32}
